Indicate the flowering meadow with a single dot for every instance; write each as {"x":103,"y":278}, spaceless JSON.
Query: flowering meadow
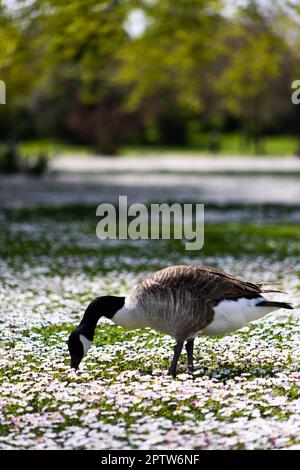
{"x":245,"y":390}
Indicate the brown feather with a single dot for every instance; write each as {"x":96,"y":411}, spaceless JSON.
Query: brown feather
{"x":181,"y":298}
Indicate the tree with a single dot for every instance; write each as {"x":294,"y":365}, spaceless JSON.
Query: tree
{"x":18,"y":69}
{"x":75,"y":43}
{"x":169,"y":63}
{"x":254,"y":58}
{"x":78,"y":70}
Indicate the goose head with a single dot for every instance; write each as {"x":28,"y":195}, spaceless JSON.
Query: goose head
{"x":78,"y":345}
{"x":81,"y":338}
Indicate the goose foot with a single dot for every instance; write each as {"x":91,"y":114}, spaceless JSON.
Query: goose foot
{"x":172,"y":373}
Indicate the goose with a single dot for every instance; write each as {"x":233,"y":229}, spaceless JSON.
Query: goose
{"x":181,"y":301}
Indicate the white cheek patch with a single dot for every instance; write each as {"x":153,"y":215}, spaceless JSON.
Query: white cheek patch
{"x":86,"y":343}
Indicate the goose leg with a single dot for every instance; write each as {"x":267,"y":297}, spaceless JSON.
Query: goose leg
{"x":189,"y":346}
{"x":177,"y":351}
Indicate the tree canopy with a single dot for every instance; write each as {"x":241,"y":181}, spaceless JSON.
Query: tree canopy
{"x":78,"y":68}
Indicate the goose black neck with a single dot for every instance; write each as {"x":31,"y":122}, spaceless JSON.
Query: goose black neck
{"x":105,"y":306}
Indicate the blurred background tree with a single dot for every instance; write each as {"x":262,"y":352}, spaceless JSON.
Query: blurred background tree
{"x":256,"y":74}
{"x":147,"y":72}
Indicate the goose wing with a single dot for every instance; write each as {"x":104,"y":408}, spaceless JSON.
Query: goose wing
{"x":180,"y":300}
{"x":203,"y":283}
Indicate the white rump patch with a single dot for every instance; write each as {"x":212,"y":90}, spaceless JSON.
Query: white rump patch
{"x":231,"y":315}
{"x":86,"y":343}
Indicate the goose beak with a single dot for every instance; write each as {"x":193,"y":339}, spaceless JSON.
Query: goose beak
{"x":75,"y":361}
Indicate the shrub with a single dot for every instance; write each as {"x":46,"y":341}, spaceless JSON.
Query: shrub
{"x":9,"y":158}
{"x":12,"y":161}
{"x":37,"y":166}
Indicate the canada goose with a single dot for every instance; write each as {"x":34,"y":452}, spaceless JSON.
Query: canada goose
{"x":181,"y":301}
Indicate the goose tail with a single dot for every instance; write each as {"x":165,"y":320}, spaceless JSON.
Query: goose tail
{"x":271,"y":303}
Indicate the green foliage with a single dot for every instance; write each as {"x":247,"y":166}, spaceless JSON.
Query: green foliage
{"x":77,"y":71}
{"x":173,"y":58}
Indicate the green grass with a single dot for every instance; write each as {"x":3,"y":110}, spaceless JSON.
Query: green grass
{"x":52,"y":265}
{"x":53,"y":147}
{"x":231,"y":145}
{"x":221,"y":239}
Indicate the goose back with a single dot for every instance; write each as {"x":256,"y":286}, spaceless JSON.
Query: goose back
{"x":180,"y":300}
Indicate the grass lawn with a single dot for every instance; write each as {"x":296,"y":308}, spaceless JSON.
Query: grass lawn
{"x":53,"y":147}
{"x":244,"y":394}
{"x":230,"y":145}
